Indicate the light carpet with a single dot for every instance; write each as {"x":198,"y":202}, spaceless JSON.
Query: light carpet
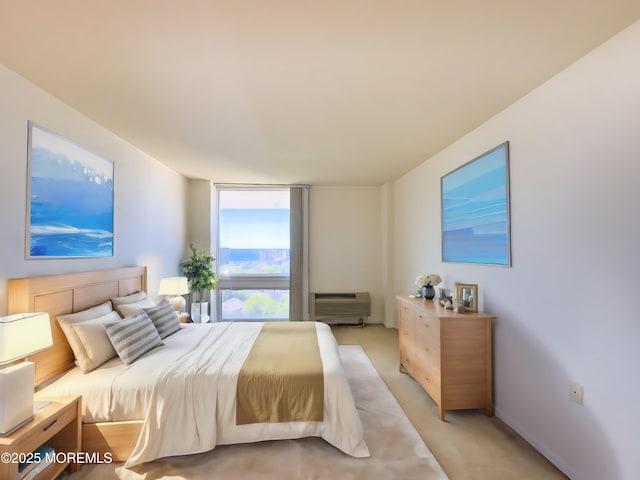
{"x":397,"y":451}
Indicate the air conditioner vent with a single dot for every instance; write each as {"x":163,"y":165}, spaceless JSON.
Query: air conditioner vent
{"x":340,"y":306}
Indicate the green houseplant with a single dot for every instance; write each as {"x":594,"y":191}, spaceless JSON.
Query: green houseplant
{"x":198,"y":269}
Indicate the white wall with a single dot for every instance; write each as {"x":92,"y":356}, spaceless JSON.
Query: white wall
{"x":567,"y":309}
{"x":150,"y":199}
{"x":201,"y":211}
{"x":345,"y":242}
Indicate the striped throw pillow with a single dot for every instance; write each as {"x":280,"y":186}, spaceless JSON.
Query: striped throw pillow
{"x":133,"y":336}
{"x":164,"y":317}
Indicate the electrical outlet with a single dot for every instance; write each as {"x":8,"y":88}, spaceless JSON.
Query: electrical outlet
{"x":576,"y":392}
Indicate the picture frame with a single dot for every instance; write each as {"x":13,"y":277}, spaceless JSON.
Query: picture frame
{"x":442,"y":294}
{"x":468,"y":293}
{"x":70,"y":199}
{"x":476,"y":225}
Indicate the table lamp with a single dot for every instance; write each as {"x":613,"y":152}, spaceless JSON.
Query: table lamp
{"x":21,"y":335}
{"x":175,"y":287}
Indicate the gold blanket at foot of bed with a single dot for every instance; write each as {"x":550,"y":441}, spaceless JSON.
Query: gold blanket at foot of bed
{"x":282,"y":378}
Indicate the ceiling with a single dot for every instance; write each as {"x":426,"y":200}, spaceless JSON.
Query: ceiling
{"x":331,"y":92}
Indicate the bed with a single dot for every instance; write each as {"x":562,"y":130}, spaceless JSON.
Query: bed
{"x":128,"y":408}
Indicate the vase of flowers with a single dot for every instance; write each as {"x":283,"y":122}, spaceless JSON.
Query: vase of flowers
{"x":426,"y":283}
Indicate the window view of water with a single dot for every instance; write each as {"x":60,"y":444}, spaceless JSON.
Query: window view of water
{"x":253,"y":258}
{"x":269,"y":261}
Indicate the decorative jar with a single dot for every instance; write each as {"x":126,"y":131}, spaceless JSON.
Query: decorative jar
{"x":428,"y":292}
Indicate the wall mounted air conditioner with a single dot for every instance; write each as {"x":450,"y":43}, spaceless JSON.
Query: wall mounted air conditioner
{"x":340,"y":307}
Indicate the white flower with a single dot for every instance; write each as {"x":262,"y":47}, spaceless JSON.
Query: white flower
{"x":429,"y":279}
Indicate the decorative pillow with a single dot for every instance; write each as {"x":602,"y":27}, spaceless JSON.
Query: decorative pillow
{"x":164,"y":317}
{"x":133,"y":336}
{"x":134,"y":297}
{"x":65,"y":322}
{"x":128,"y":309}
{"x":97,"y":348}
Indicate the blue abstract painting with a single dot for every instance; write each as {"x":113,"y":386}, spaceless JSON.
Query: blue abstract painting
{"x":70,"y":207}
{"x":475,"y":210}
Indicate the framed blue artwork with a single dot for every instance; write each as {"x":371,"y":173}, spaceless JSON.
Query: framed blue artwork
{"x":475,"y":210}
{"x":70,"y":199}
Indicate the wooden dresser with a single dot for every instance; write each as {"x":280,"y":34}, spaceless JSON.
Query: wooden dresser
{"x":449,"y":354}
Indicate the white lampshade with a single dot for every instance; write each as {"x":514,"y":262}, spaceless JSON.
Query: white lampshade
{"x":173,"y":286}
{"x":21,"y":335}
{"x":24,"y":334}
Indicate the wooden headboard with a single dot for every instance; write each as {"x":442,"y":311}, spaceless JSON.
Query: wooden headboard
{"x":68,"y":293}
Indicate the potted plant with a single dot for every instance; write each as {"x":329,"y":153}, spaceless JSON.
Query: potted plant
{"x":198,"y":269}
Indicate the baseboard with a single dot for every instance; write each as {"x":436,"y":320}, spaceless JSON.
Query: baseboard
{"x":516,"y":427}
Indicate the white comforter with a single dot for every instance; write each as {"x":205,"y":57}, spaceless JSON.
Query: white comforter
{"x":188,"y":398}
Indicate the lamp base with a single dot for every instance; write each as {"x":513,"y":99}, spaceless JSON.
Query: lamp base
{"x":17,"y":427}
{"x":16,"y":396}
{"x":178,"y":303}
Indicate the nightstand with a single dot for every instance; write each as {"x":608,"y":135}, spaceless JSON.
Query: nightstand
{"x":57,"y":425}
{"x":184,"y":317}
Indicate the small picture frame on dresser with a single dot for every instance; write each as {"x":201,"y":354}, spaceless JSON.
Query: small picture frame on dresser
{"x":442,"y":294}
{"x":468,"y":293}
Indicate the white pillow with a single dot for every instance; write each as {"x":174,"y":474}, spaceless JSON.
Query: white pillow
{"x":134,"y":297}
{"x":97,"y":347}
{"x":66,"y":321}
{"x":129,"y":309}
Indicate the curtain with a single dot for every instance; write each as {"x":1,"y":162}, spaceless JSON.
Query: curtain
{"x":298,"y":276}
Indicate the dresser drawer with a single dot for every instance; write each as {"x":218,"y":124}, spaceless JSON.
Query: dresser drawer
{"x":427,"y":333}
{"x":406,"y":330}
{"x":407,"y":322}
{"x":429,"y":379}
{"x":427,"y":355}
{"x":427,"y":326}
{"x":406,"y":353}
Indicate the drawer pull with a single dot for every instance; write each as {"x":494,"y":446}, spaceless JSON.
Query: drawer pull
{"x":47,"y":427}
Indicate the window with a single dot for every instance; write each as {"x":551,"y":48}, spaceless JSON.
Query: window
{"x":254,"y":254}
